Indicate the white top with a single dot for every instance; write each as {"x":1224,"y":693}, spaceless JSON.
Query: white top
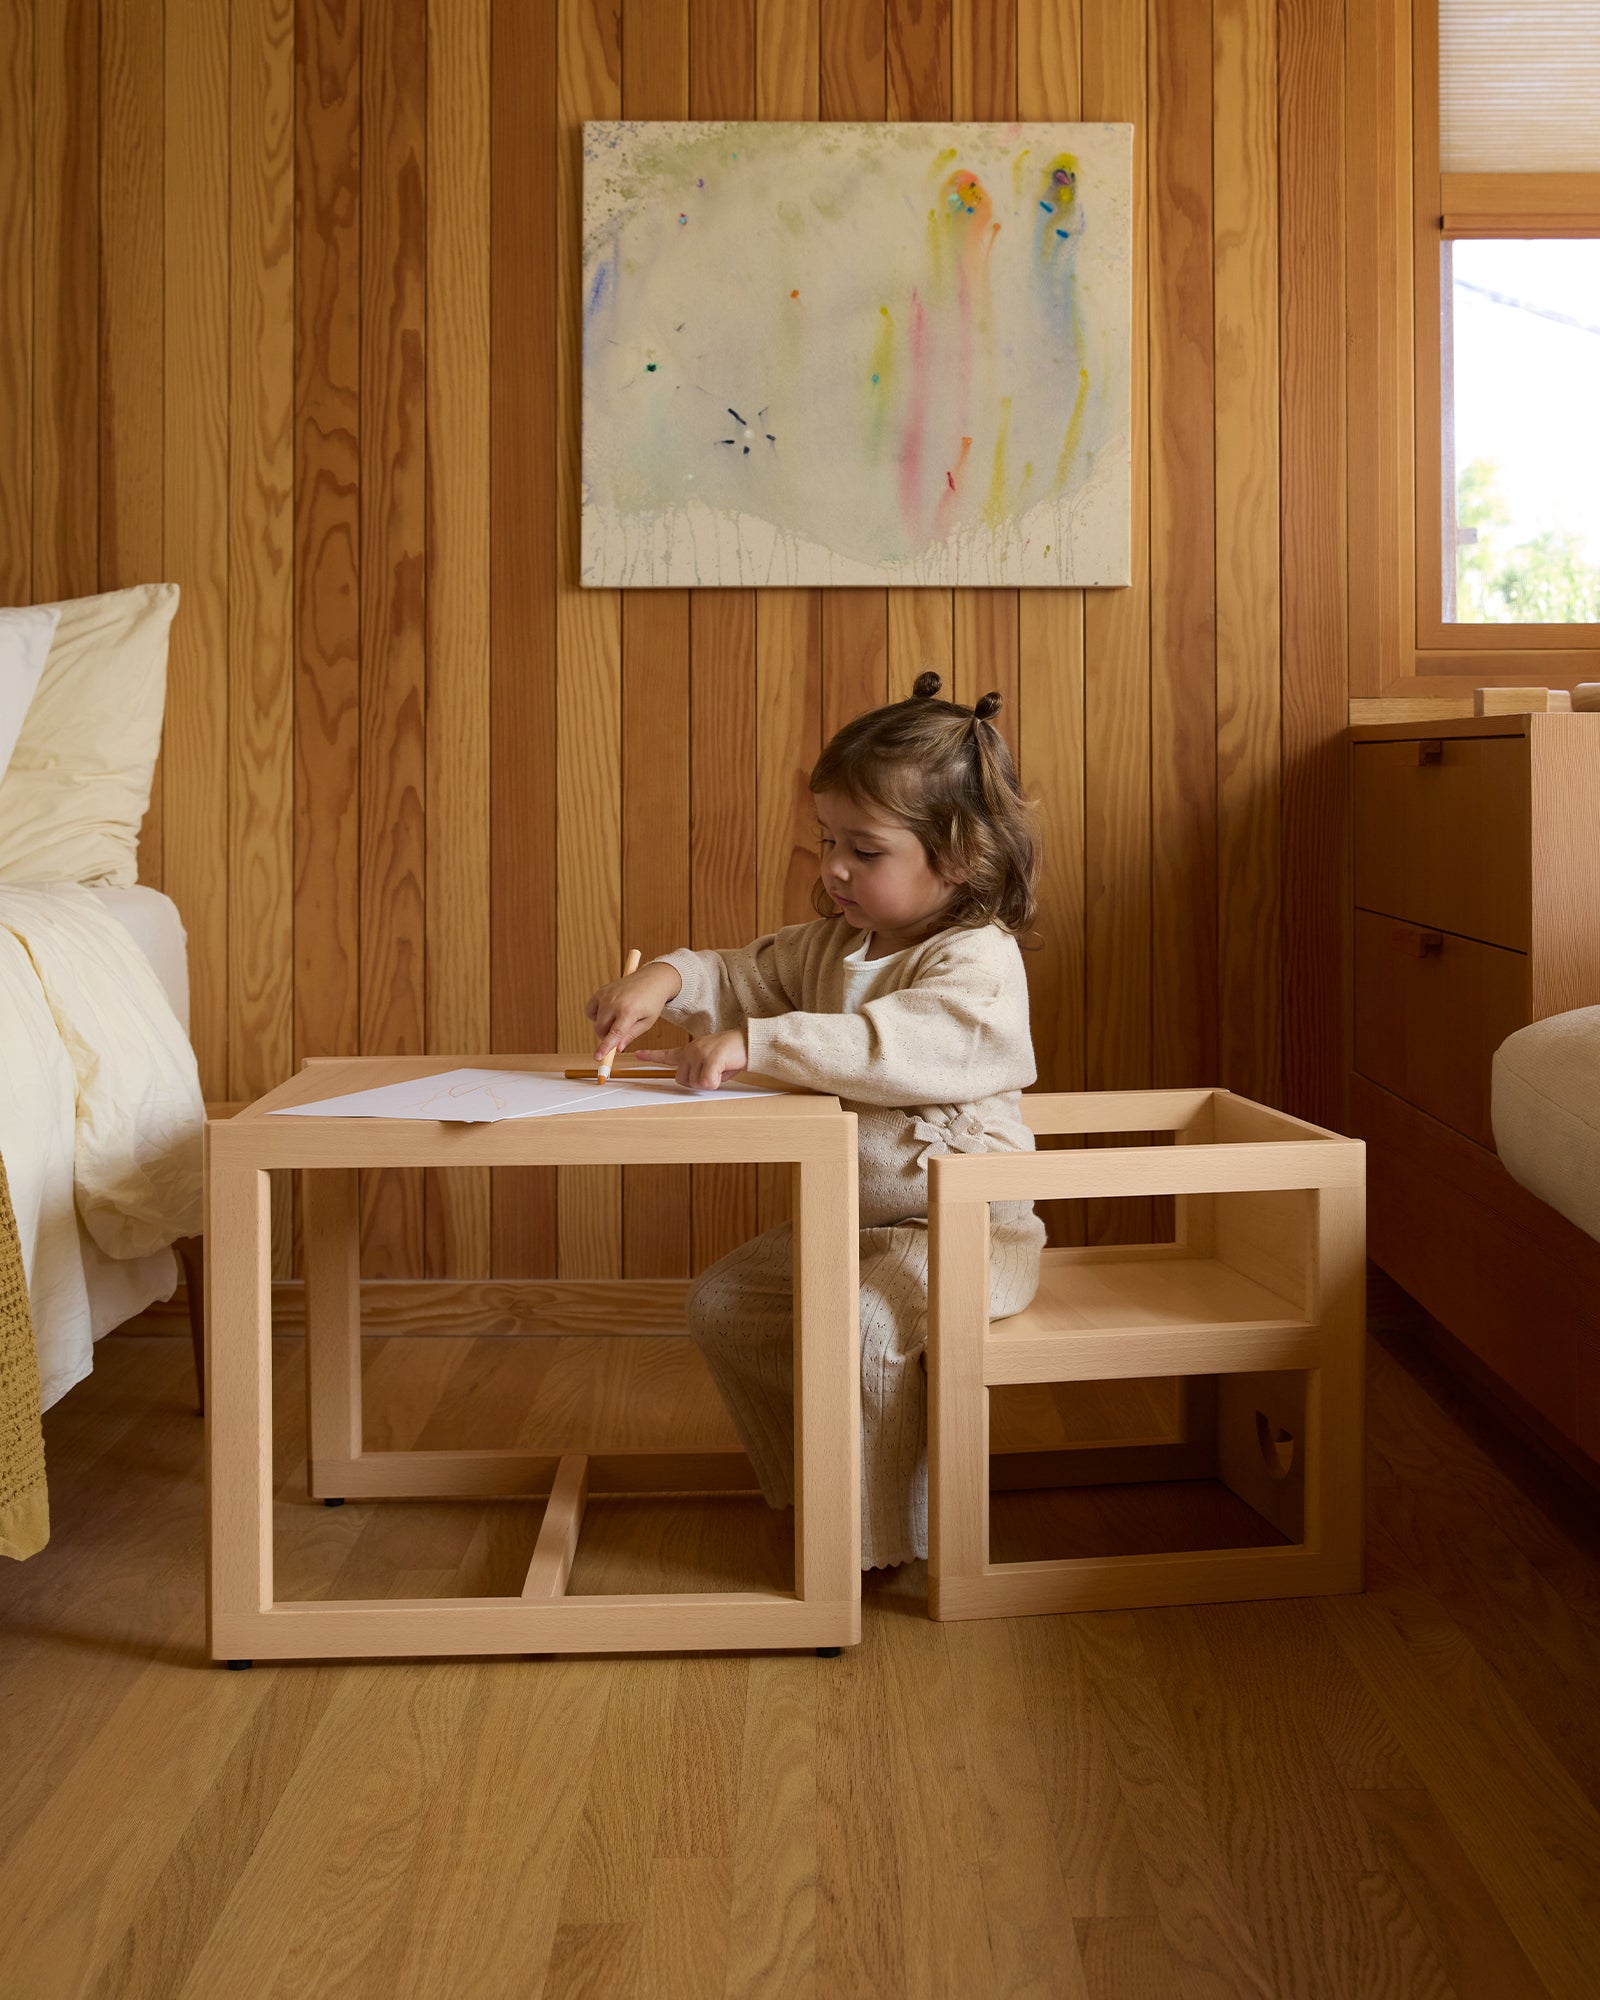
{"x":861,"y":974}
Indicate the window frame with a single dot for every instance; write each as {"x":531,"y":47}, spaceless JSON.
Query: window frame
{"x":1449,"y":208}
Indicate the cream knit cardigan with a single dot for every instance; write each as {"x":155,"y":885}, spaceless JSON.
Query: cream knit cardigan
{"x":932,"y":1062}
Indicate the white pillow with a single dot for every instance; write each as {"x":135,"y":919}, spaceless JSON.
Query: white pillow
{"x":76,"y":790}
{"x":24,"y":642}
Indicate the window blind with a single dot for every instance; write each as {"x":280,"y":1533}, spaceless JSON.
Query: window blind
{"x":1519,"y":86}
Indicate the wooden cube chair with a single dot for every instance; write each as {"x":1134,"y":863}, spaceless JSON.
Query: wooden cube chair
{"x":1258,"y":1304}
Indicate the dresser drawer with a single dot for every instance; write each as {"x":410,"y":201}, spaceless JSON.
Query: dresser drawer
{"x":1442,"y":835}
{"x":1430,"y":1011}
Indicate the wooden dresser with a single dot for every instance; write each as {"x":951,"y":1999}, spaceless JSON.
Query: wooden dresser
{"x":1477,"y":910}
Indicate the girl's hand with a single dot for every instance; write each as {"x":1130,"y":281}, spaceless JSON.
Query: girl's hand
{"x":703,"y":1064}
{"x":622,"y":1010}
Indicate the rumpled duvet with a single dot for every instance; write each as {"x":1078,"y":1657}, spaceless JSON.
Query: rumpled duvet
{"x":101,"y":1121}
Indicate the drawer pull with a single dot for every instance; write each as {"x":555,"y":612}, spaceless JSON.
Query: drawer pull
{"x":1430,"y":750}
{"x":1429,"y":943}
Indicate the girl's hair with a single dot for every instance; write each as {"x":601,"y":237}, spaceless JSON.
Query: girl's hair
{"x":946,"y":773}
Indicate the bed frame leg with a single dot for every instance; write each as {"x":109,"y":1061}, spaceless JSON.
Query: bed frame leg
{"x":192,"y":1255}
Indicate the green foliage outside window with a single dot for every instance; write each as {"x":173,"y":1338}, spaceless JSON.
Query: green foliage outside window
{"x":1545,"y":581}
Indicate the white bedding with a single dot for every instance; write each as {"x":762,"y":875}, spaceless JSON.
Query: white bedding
{"x":100,"y":1120}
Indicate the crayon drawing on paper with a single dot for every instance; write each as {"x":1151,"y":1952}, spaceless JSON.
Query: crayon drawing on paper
{"x":856,"y":354}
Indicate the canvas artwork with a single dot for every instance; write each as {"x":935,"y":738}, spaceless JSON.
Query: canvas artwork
{"x":856,"y":354}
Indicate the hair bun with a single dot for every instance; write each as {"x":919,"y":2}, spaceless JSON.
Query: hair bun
{"x":926,"y":686}
{"x":988,"y":705}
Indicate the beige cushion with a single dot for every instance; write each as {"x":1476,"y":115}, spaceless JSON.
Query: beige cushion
{"x":25,"y":640}
{"x":1547,"y":1112}
{"x":78,"y":782}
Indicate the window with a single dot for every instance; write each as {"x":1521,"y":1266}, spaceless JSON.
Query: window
{"x":1507,"y":277}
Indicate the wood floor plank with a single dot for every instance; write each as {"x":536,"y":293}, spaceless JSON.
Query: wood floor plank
{"x":1531,"y":1835}
{"x":1094,"y":1832}
{"x":299,"y":1921}
{"x":683,"y":1951}
{"x":1470,"y":1938}
{"x":772,"y":1930}
{"x":1031,"y":1935}
{"x":944,"y":1933}
{"x":1202,"y":1915}
{"x":484,"y":1886}
{"x":700,"y":1790}
{"x":608,"y":1879}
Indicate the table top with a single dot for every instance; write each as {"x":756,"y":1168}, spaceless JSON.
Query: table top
{"x":788,"y":1127}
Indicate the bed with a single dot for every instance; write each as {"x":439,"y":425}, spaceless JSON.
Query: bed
{"x":101,"y":1115}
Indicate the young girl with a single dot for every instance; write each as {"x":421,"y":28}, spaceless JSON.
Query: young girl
{"x":907,"y":1001}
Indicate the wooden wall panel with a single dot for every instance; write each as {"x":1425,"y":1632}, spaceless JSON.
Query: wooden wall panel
{"x":1118,"y":750}
{"x":1183,"y":691}
{"x":327,"y":515}
{"x":261,"y":567}
{"x":16,"y":300}
{"x":522,"y":589}
{"x":457,"y":546}
{"x":1249,"y":893}
{"x":289,"y":309}
{"x":656,"y":896}
{"x":722,"y":657}
{"x":195,"y":505}
{"x":589,"y":944}
{"x":131,"y":359}
{"x":66,"y":299}
{"x":391,"y":852}
{"x":853,"y":72}
{"x":1315,"y":679}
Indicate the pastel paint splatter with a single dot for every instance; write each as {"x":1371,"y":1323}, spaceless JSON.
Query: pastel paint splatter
{"x":966,"y":291}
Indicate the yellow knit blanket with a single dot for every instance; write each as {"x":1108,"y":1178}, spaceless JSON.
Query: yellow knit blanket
{"x":24,"y":1508}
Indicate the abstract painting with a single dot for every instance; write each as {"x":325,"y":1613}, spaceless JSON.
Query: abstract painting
{"x":856,"y":354}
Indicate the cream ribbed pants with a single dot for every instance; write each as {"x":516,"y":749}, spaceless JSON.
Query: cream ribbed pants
{"x":741,"y":1317}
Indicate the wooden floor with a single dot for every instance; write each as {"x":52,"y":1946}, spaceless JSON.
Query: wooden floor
{"x":1390,"y":1795}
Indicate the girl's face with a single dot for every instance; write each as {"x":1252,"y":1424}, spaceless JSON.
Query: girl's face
{"x":878,"y":872}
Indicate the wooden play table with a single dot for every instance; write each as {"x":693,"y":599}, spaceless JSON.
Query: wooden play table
{"x":246,"y":1621}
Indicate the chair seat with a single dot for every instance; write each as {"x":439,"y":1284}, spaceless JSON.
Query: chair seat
{"x":1098,"y":1318}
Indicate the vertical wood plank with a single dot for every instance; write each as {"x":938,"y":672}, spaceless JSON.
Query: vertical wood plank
{"x":261,"y":561}
{"x":723,"y":847}
{"x":392,"y":856}
{"x":919,"y":633}
{"x":656,"y":900}
{"x":16,"y":300}
{"x":457,"y":531}
{"x":1378,"y":288}
{"x":853,"y":83}
{"x":523,"y":314}
{"x":589,"y":945}
{"x":1117,"y":737}
{"x":788,"y":622}
{"x":1183,"y":702}
{"x":1249,"y":929}
{"x":983,"y":41}
{"x":66,"y":299}
{"x":1050,"y":639}
{"x":722,"y":673}
{"x":327,"y":523}
{"x":195,"y":481}
{"x":1315,"y":694}
{"x":132,"y":276}
{"x":917,"y":59}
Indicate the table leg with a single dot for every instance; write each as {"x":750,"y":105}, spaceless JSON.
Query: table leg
{"x":332,"y":1232}
{"x":827,"y":1378}
{"x":238,"y":1232}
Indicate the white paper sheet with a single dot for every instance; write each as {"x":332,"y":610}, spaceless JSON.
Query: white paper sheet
{"x":484,"y":1096}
